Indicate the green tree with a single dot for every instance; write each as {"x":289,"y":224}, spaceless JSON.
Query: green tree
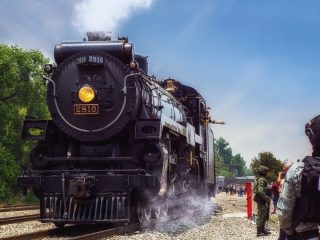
{"x":238,"y":165}
{"x":222,"y":169}
{"x":227,"y":164}
{"x":267,"y":159}
{"x":23,"y":94}
{"x":224,"y":150}
{"x":248,"y":172}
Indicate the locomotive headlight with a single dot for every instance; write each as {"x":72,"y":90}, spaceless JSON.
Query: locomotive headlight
{"x":86,"y":94}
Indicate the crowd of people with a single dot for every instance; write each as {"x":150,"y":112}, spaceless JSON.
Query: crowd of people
{"x":233,"y":189}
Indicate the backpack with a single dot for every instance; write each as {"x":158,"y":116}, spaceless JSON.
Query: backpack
{"x":307,"y":208}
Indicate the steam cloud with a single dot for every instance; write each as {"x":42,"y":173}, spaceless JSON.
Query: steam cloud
{"x":105,"y":15}
{"x":194,"y":212}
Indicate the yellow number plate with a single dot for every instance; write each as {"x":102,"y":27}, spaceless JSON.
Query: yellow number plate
{"x":84,"y":109}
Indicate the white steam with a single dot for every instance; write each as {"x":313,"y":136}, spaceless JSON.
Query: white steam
{"x":105,"y":15}
{"x":193,"y":211}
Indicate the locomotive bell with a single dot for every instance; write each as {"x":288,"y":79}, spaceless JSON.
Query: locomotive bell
{"x":134,"y":64}
{"x":170,"y":85}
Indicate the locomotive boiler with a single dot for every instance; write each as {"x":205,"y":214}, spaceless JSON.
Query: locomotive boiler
{"x":121,"y":146}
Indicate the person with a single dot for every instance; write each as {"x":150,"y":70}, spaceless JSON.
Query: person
{"x":280,"y":180}
{"x":260,"y":189}
{"x":299,"y":204}
{"x":226,"y":188}
{"x":281,"y":176}
{"x":275,"y":189}
{"x":241,"y":190}
{"x":238,"y":190}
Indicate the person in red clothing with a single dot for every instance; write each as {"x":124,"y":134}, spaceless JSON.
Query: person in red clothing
{"x":275,"y":189}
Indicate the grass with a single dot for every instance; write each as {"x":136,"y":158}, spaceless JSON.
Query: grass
{"x":20,"y":199}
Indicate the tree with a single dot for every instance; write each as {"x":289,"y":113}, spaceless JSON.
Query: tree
{"x":267,"y":159}
{"x":227,"y":164}
{"x":222,"y":169}
{"x":223,"y":149}
{"x":248,"y":172}
{"x":238,"y":165}
{"x":22,"y":94}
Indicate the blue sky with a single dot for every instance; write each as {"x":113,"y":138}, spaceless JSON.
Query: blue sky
{"x":255,"y":62}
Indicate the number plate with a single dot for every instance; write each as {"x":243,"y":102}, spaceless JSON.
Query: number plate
{"x":90,"y":60}
{"x":84,"y":109}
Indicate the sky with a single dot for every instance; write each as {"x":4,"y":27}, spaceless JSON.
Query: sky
{"x":257,"y":63}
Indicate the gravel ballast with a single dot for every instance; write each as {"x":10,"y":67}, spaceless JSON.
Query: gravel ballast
{"x":227,"y":224}
{"x":24,"y":227}
{"x":18,"y":213}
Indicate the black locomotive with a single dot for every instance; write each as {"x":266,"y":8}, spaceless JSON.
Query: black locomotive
{"x":121,"y":145}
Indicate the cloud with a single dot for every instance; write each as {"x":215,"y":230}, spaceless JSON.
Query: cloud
{"x":33,"y":24}
{"x":105,"y":15}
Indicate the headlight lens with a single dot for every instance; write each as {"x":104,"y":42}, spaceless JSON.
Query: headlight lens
{"x":86,"y":94}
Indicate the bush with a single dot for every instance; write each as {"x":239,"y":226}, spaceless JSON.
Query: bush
{"x":9,"y":171}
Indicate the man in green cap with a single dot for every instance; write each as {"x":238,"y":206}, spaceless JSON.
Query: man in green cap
{"x":260,"y":189}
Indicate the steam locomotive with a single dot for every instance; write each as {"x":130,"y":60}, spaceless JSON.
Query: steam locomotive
{"x":121,"y":146}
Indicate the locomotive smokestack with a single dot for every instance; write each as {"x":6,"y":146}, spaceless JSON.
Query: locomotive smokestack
{"x":99,"y":36}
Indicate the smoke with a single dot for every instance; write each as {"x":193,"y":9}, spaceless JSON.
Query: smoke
{"x":193,"y":210}
{"x":105,"y":15}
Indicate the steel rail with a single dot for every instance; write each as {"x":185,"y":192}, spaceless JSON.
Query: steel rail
{"x":94,"y":233}
{"x":18,"y":219}
{"x":59,"y":232}
{"x":28,"y":236}
{"x":108,"y":232}
{"x":125,"y":229}
{"x":19,"y":208}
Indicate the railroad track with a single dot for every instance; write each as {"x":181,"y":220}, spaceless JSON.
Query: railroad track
{"x":125,"y":229}
{"x":18,"y":219}
{"x":89,"y":232}
{"x":19,"y":208}
{"x":75,"y":232}
{"x":92,"y":232}
{"x":41,"y":234}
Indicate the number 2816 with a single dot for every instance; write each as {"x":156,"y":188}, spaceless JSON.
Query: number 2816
{"x":95,"y":59}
